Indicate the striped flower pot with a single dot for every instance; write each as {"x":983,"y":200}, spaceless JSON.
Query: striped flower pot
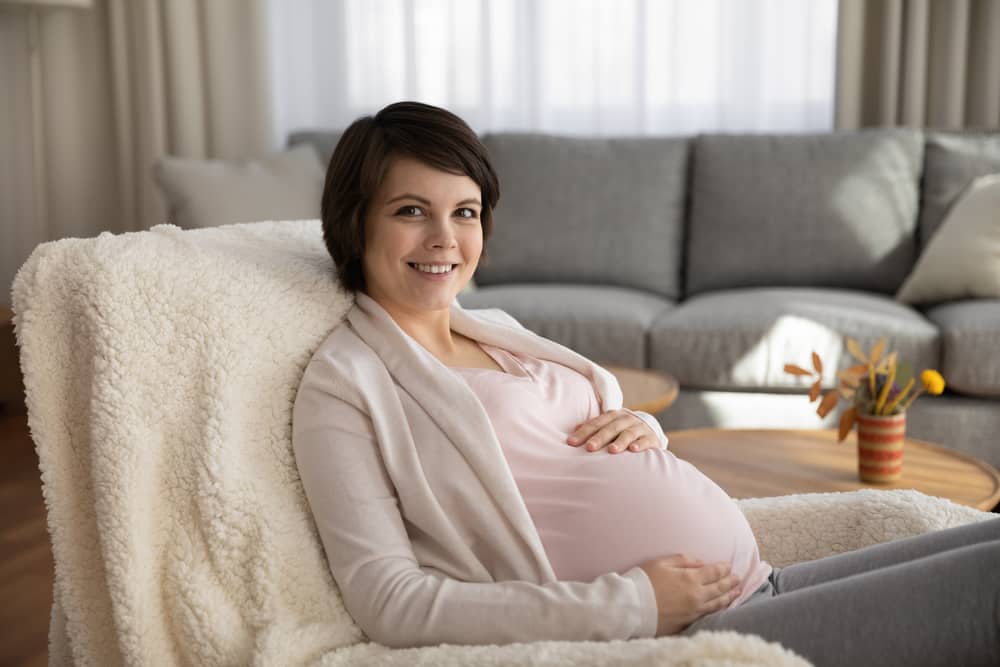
{"x":880,"y":447}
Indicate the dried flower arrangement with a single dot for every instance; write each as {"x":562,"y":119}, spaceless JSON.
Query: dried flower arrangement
{"x":878,"y":385}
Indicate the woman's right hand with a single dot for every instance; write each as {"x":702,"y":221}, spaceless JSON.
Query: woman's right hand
{"x":687,"y":589}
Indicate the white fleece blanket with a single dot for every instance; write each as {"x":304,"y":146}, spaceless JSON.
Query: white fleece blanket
{"x":160,"y":369}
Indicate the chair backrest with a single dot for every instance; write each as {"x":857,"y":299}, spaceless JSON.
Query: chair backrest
{"x":160,"y":372}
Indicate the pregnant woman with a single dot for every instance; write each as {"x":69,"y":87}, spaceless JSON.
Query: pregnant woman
{"x":475,"y":483}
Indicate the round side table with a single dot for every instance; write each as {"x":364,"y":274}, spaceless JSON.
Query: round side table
{"x":755,"y":463}
{"x":645,"y":390}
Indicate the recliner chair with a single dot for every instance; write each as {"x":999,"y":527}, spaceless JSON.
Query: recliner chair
{"x":160,"y":369}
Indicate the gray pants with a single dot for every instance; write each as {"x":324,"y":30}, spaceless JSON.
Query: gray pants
{"x":932,"y":599}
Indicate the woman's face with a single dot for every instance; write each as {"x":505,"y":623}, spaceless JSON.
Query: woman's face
{"x":421,"y":215}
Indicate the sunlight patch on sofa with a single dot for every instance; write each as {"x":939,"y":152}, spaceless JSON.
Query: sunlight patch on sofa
{"x":790,"y":340}
{"x":729,"y":409}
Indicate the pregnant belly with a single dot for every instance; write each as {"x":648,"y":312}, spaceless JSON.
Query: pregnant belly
{"x":608,"y":513}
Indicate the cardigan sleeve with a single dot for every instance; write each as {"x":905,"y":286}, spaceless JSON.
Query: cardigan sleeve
{"x":397,"y":602}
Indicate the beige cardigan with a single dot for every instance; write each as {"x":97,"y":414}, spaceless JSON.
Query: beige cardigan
{"x":425,"y":531}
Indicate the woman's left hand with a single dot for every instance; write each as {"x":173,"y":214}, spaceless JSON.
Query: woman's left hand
{"x":616,"y":430}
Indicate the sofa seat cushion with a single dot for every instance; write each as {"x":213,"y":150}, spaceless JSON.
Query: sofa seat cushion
{"x":821,"y":210}
{"x":588,"y":210}
{"x":741,"y":339}
{"x":970,"y":345}
{"x":606,"y":324}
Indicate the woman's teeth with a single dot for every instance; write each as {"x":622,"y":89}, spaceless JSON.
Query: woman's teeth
{"x":434,"y":268}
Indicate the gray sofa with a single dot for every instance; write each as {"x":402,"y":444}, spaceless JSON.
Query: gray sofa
{"x":719,"y":258}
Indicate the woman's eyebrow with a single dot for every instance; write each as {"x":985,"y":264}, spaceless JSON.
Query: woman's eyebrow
{"x":427,"y":202}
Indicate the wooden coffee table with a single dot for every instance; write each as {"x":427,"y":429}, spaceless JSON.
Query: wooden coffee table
{"x":645,"y":390}
{"x":754,"y":463}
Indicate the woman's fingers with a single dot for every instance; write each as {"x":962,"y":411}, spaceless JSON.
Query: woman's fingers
{"x":720,"y":585}
{"x":717,"y":604}
{"x":617,"y":430}
{"x":718,"y":580}
{"x":726,"y":592}
{"x":627,"y":438}
{"x":686,"y":590}
{"x":727,"y":585}
{"x":597,"y":432}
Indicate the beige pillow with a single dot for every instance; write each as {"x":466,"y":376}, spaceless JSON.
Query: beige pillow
{"x":962,"y":259}
{"x":205,"y":193}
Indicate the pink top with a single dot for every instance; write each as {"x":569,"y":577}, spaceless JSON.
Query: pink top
{"x":595,"y":511}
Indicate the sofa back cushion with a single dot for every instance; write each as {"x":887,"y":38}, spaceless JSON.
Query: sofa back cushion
{"x":819,"y":210}
{"x":324,"y":141}
{"x":951,"y":162}
{"x":286,"y":185}
{"x":589,"y":210}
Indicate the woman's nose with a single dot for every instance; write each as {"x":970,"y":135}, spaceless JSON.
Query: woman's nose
{"x":442,"y":234}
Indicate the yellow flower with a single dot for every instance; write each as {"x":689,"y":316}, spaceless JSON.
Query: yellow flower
{"x":933,"y":381}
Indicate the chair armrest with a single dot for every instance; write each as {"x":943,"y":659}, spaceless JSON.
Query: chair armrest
{"x":807,"y":526}
{"x":708,"y":648}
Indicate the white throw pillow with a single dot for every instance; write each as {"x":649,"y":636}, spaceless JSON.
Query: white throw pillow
{"x":206,"y":193}
{"x":962,"y":259}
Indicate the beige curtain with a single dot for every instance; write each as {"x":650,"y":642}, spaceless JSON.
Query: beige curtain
{"x":918,"y":63}
{"x":119,"y":85}
{"x":189,"y":77}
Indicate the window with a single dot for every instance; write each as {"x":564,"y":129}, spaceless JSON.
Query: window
{"x":597,"y":67}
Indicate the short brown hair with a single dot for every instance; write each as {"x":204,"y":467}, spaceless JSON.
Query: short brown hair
{"x":361,"y":160}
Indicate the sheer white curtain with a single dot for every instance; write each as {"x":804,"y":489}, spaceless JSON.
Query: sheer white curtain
{"x":598,"y":67}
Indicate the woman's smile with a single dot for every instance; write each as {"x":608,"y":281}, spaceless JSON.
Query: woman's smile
{"x":434,"y":272}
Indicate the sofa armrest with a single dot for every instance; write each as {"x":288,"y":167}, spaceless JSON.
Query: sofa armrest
{"x":807,"y":526}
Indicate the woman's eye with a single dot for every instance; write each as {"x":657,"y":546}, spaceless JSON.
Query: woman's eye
{"x":468,"y":213}
{"x":409,"y":210}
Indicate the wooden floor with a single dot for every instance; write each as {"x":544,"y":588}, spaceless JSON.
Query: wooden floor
{"x":25,"y":555}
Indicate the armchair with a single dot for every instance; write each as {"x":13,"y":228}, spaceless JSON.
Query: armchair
{"x":160,"y":369}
